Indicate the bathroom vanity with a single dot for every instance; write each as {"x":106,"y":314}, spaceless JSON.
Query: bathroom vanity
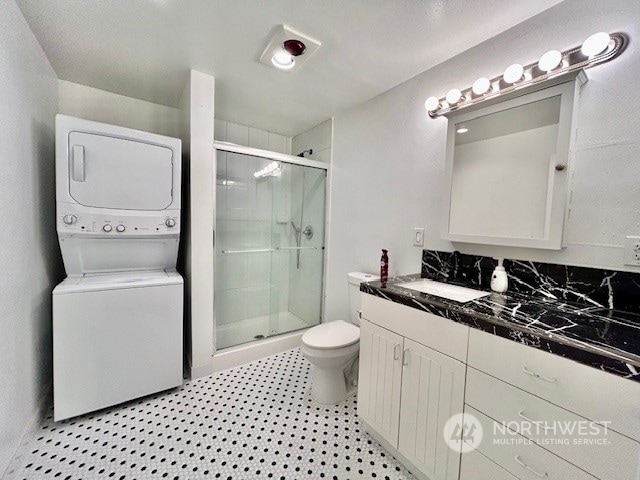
{"x":507,"y":359}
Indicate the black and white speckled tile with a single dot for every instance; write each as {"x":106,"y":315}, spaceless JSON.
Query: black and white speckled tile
{"x":251,"y":422}
{"x":602,"y":338}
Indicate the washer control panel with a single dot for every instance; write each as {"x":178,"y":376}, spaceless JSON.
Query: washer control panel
{"x":113,"y":225}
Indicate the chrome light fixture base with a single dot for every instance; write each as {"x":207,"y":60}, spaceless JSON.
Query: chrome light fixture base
{"x":572,"y":60}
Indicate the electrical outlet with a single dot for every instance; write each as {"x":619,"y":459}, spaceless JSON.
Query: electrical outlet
{"x":418,"y":237}
{"x":632,"y":251}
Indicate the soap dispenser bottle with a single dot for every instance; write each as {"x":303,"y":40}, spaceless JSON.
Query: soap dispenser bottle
{"x":384,"y":268}
{"x":499,"y":280}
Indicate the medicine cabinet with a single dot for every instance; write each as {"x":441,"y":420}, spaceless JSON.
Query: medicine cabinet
{"x":507,"y":168}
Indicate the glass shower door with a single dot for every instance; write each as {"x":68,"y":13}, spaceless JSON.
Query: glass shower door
{"x":298,"y":257}
{"x":269,"y":247}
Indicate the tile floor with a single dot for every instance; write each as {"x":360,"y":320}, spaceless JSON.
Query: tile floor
{"x":251,"y":422}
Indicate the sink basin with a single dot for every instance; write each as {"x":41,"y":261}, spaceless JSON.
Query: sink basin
{"x":439,"y":289}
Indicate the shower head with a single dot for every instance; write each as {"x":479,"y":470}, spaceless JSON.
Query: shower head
{"x":301,"y":154}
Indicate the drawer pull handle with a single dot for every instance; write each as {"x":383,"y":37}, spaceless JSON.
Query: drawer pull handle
{"x":532,"y":470}
{"x":396,"y":351}
{"x":535,"y":422}
{"x":539,"y":377}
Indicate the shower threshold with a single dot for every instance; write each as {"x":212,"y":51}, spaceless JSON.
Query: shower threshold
{"x":257,"y":328}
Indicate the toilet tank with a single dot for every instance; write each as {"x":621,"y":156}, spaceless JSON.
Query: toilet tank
{"x":355,"y":297}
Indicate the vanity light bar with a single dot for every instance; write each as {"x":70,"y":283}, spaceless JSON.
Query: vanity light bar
{"x":598,"y":48}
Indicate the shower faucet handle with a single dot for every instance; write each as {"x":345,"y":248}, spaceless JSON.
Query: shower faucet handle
{"x":308,"y":232}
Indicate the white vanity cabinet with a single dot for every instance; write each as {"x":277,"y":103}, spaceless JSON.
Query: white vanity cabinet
{"x":407,"y":389}
{"x":508,"y":383}
{"x":418,"y":369}
{"x":379,"y":380}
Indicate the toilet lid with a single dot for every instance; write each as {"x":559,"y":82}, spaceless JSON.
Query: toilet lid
{"x":334,"y":334}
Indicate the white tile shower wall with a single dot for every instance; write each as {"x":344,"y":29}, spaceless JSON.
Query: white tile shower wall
{"x":251,"y":137}
{"x":29,"y":256}
{"x":318,"y":138}
{"x":248,"y":284}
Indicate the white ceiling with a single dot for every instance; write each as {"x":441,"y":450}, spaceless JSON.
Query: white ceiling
{"x":144,"y":48}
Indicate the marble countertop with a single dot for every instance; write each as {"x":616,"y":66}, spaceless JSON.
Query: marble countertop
{"x":602,"y":338}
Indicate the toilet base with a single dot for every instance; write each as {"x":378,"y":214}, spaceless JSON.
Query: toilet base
{"x":330,"y":386}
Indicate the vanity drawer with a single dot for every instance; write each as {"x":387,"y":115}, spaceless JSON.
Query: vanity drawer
{"x":521,"y":458}
{"x":608,"y":455}
{"x":581,"y":389}
{"x":475,"y":466}
{"x":438,"y":333}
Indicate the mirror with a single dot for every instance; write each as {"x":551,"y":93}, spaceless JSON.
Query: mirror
{"x":506,"y":166}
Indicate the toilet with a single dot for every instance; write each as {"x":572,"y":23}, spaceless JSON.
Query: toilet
{"x":332,"y":348}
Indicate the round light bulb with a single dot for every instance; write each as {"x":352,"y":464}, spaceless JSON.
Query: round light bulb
{"x":513,"y":73}
{"x":432,"y":104}
{"x":453,"y":96}
{"x":596,"y":44}
{"x":481,"y":86}
{"x":283,"y":60}
{"x":550,"y":60}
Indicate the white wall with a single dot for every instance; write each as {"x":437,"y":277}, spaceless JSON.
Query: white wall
{"x":29,"y":255}
{"x":101,"y":106}
{"x":197,"y":114}
{"x":388,"y":155}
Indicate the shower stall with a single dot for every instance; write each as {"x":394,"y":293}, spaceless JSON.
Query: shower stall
{"x":269,"y":243}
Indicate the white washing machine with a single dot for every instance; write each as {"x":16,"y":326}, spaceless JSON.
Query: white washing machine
{"x":117,"y":317}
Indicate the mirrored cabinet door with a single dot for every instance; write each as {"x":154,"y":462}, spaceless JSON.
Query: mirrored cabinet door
{"x":507,"y":170}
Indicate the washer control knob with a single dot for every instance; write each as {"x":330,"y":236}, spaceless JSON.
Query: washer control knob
{"x":120,"y":228}
{"x":69,"y":219}
{"x":107,"y":228}
{"x":170,"y":222}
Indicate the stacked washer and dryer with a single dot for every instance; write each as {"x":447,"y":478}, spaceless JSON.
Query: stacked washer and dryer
{"x":117,"y":317}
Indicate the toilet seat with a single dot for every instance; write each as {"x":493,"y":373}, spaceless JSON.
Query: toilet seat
{"x":331,"y":335}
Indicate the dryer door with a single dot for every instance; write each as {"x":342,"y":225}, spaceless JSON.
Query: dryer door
{"x":108,"y":172}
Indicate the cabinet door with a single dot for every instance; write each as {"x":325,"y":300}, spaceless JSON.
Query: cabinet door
{"x":432,"y":391}
{"x":380,"y":380}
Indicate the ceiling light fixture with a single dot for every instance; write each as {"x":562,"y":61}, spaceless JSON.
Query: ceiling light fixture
{"x":288,"y":49}
{"x":283,"y":60}
{"x":294,"y":47}
{"x":598,"y":48}
{"x":462,"y":130}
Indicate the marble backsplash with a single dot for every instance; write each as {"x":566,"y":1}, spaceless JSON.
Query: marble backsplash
{"x":589,"y":286}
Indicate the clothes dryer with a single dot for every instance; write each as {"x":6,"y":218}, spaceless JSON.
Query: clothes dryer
{"x":117,"y":317}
